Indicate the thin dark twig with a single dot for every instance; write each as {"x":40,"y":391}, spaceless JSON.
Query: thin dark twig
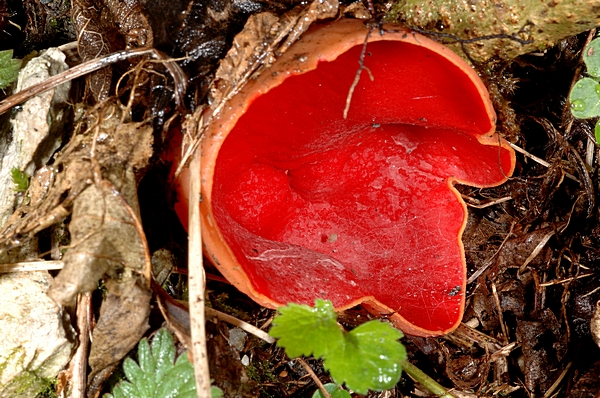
{"x":371,"y":8}
{"x":457,"y":39}
{"x":585,"y":178}
{"x":314,"y":377}
{"x":361,"y":63}
{"x":94,"y":65}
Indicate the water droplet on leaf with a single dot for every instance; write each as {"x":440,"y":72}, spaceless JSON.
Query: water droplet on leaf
{"x":578,"y":105}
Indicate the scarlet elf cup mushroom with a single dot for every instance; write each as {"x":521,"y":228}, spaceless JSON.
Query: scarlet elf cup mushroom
{"x":299,"y":203}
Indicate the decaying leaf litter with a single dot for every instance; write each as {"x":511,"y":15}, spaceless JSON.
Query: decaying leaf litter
{"x":531,"y":244}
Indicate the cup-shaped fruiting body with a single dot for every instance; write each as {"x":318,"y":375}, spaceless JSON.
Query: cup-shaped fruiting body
{"x":300,"y":203}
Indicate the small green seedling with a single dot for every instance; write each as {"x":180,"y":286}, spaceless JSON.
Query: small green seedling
{"x":585,"y":95}
{"x":158,"y":374}
{"x":20,"y":180}
{"x":9,"y":68}
{"x":367,"y":358}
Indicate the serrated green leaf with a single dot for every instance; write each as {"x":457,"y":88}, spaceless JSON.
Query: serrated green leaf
{"x":176,"y":380}
{"x":145,"y":357}
{"x":128,"y":390}
{"x":189,"y":386}
{"x":157,"y":376}
{"x":9,"y":68}
{"x":147,"y":364}
{"x":591,"y":57}
{"x":303,"y":330}
{"x":585,"y":99}
{"x":132,"y":371}
{"x":333,"y":390}
{"x":182,"y":359}
{"x":163,"y":351}
{"x":369,"y":358}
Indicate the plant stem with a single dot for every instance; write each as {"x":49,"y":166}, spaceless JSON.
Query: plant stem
{"x":419,"y":376}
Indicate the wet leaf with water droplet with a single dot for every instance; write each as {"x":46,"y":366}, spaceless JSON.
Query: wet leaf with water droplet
{"x":591,"y":57}
{"x":369,"y":359}
{"x":597,"y":131}
{"x":366,"y":358}
{"x":578,"y":105}
{"x":303,"y":330}
{"x":157,"y":376}
{"x":584,"y":98}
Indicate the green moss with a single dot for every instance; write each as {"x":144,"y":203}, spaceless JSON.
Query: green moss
{"x":47,"y":389}
{"x":220,"y":303}
{"x":261,"y":372}
{"x":28,"y":383}
{"x":20,"y":179}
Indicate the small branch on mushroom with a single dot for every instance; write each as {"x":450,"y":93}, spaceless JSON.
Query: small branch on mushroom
{"x":361,"y":66}
{"x":537,"y":250}
{"x":211,"y":312}
{"x":565,"y":280}
{"x":314,"y":377}
{"x":478,"y":205}
{"x":539,"y":160}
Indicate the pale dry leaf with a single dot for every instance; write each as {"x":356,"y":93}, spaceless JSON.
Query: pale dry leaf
{"x":318,"y":9}
{"x":248,"y":49}
{"x":35,"y":345}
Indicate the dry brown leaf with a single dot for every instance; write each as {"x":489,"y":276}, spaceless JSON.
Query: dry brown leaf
{"x":248,"y":51}
{"x":105,"y":240}
{"x":319,"y":9}
{"x":101,"y":26}
{"x":106,"y":235}
{"x":91,"y":43}
{"x":123,"y":321}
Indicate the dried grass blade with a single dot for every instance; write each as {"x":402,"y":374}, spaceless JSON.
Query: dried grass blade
{"x":197,"y":281}
{"x":94,"y":65}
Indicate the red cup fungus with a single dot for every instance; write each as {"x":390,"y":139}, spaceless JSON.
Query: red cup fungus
{"x":299,"y":203}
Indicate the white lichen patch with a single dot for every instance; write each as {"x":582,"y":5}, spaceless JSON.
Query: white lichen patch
{"x":34,"y":346}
